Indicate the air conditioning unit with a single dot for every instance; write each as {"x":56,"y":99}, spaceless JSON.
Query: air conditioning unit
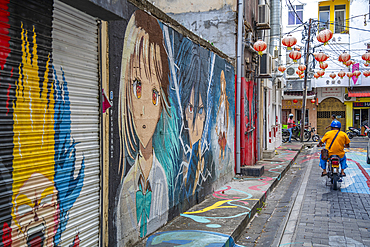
{"x":290,"y":72}
{"x":266,"y":65}
{"x":263,"y":17}
{"x":297,"y":85}
{"x":346,"y":98}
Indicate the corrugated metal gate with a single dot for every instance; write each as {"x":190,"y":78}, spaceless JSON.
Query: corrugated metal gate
{"x":75,"y":61}
{"x":49,"y":125}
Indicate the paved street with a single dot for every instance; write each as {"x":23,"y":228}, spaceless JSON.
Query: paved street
{"x":304,"y":210}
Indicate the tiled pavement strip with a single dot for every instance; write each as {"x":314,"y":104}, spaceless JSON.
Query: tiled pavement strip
{"x":326,"y":217}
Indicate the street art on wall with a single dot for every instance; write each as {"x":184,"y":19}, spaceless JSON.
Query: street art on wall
{"x":39,"y":181}
{"x":173,"y":120}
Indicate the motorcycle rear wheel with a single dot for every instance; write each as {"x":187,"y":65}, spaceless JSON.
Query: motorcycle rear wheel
{"x":307,"y":136}
{"x":335,"y":181}
{"x":315,"y":138}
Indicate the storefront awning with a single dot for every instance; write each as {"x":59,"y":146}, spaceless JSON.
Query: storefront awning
{"x":359,"y":92}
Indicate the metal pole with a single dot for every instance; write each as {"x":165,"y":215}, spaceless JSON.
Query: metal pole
{"x":239,"y":82}
{"x":305,"y":81}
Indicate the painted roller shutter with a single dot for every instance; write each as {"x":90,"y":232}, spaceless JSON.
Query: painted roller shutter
{"x":75,"y":61}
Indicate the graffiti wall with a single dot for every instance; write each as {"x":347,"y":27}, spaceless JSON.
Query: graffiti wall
{"x":172,"y":125}
{"x":42,"y":166}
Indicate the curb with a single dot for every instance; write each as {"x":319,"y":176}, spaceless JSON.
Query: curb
{"x":239,"y":229}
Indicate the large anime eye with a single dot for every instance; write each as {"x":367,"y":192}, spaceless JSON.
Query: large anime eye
{"x":190,"y":108}
{"x":136,"y":86}
{"x":155,"y":96}
{"x":200,"y":111}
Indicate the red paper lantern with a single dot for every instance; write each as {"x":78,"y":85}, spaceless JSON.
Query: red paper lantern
{"x":299,"y":72}
{"x":295,"y":101}
{"x":289,"y":41}
{"x":323,"y":65}
{"x":349,"y":74}
{"x":295,"y":55}
{"x":281,"y":69}
{"x":344,"y":57}
{"x":316,"y":76}
{"x":356,"y":73}
{"x":341,"y":74}
{"x":332,"y":75}
{"x":301,"y":76}
{"x":324,"y":36}
{"x":320,"y":73}
{"x":349,"y":63}
{"x":366,"y":64}
{"x":302,"y":67}
{"x":366,"y":57}
{"x":366,"y":73}
{"x":260,"y":46}
{"x":313,"y":101}
{"x":321,"y":57}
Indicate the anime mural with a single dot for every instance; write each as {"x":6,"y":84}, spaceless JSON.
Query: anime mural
{"x":173,"y":121}
{"x":39,"y":182}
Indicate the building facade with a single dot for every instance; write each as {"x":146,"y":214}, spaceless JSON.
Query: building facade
{"x":340,"y":16}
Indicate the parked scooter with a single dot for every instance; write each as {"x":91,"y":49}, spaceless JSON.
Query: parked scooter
{"x":352,"y":131}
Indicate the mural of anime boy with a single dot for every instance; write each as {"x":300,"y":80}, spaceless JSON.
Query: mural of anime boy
{"x":222,"y":123}
{"x":193,"y":79}
{"x":143,"y":198}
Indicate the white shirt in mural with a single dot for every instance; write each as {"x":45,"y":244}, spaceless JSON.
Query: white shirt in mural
{"x":137,"y":198}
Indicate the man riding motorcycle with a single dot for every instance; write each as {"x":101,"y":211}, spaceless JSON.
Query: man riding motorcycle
{"x":342,"y":141}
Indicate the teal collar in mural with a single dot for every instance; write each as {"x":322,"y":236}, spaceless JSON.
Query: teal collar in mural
{"x":143,"y":203}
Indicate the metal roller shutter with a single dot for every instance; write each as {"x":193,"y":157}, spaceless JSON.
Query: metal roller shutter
{"x":75,"y":61}
{"x":49,"y":125}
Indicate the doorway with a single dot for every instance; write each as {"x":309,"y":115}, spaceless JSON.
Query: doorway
{"x":360,"y":116}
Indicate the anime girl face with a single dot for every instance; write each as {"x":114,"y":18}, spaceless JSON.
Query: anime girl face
{"x":36,"y":211}
{"x":144,"y":83}
{"x":145,"y":91}
{"x":195,"y":119}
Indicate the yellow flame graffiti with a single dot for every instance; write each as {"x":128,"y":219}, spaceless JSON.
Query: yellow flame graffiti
{"x":33,"y":120}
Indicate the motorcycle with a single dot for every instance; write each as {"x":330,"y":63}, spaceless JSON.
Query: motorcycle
{"x":308,"y":134}
{"x":352,"y":131}
{"x":332,"y":169}
{"x":296,"y":134}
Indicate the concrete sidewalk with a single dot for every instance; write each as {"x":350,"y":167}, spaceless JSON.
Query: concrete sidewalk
{"x":222,"y":216}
